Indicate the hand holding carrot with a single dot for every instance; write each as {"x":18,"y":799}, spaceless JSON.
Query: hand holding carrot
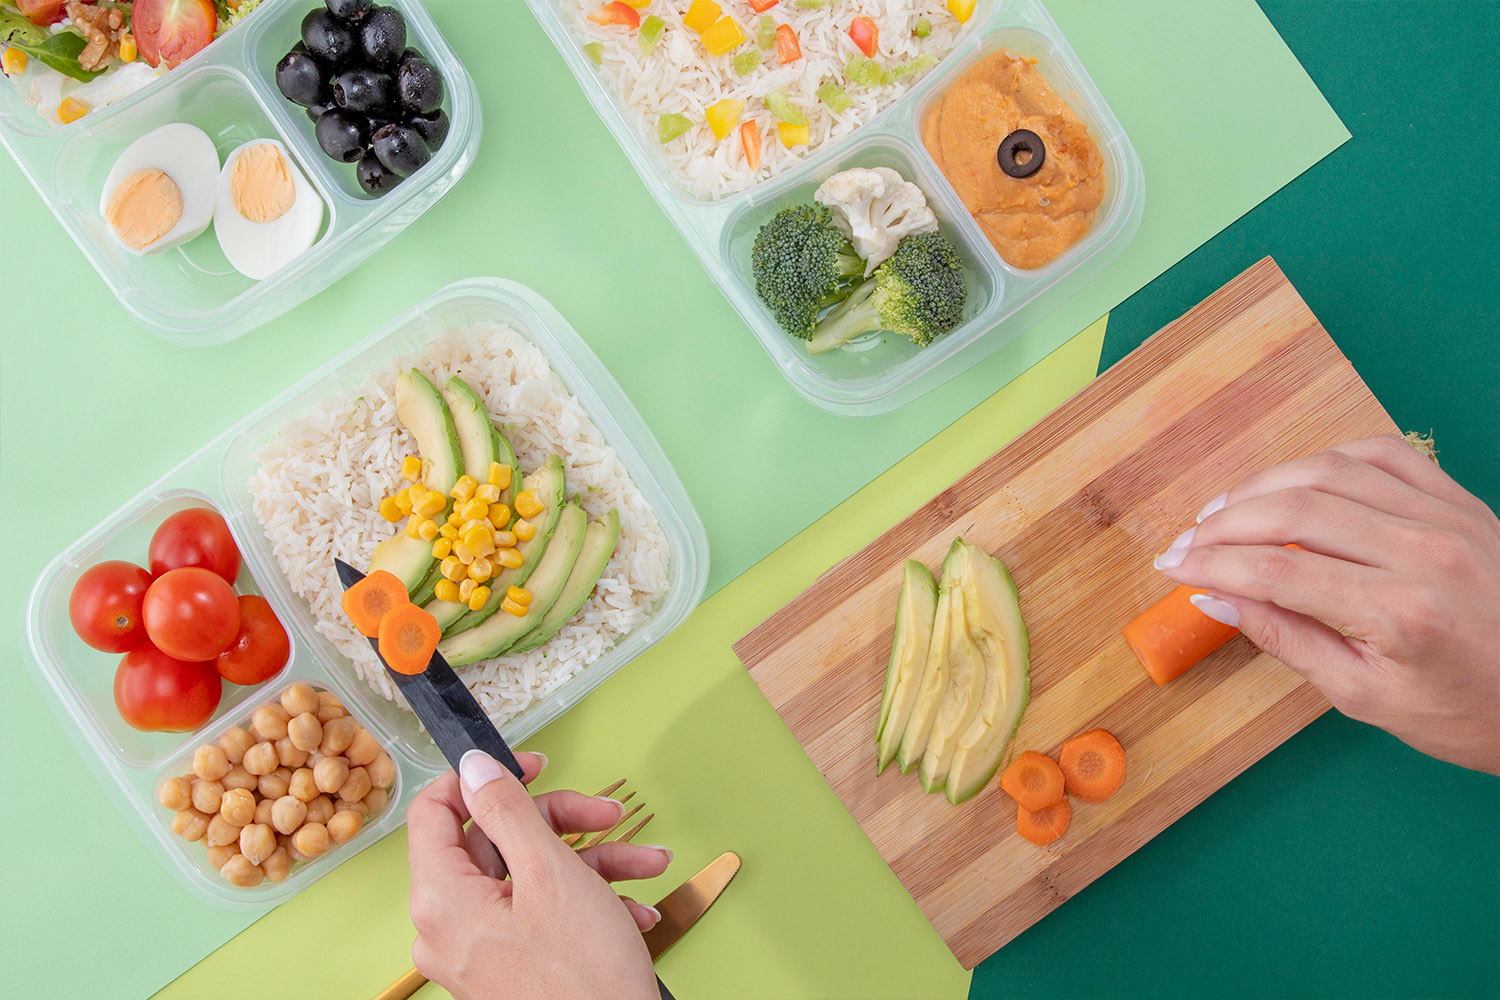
{"x":1393,"y":608}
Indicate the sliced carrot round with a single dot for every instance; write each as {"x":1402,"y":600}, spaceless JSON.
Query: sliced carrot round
{"x":1034,"y":780}
{"x":408,"y":637}
{"x":1093,"y":765}
{"x":372,"y":598}
{"x":1043,"y":826}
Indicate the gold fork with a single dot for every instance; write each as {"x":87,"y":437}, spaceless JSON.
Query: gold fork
{"x":413,"y":980}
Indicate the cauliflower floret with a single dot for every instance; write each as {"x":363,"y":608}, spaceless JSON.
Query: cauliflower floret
{"x":875,"y":208}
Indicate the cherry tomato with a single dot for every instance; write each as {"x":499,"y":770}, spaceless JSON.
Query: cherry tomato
{"x":195,"y":537}
{"x":105,"y":606}
{"x":260,"y":650}
{"x":191,"y":614}
{"x":169,"y":31}
{"x":43,"y":12}
{"x":157,"y":693}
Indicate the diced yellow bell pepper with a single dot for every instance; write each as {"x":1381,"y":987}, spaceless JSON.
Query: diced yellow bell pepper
{"x":724,"y":116}
{"x":487,"y":493}
{"x":128,"y":50}
{"x":520,"y":595}
{"x":962,"y":9}
{"x":505,"y":539}
{"x":466,"y":588}
{"x":702,"y":15}
{"x":431,"y":504}
{"x":445,"y":590}
{"x":499,"y":515}
{"x":525,"y":530}
{"x":637,"y":4}
{"x":479,"y":538}
{"x":528,"y":504}
{"x":427,"y":530}
{"x":478,"y":598}
{"x":13,"y":62}
{"x":70,"y":110}
{"x":481,"y":569}
{"x":411,"y":468}
{"x":509,"y":558}
{"x":794,"y":135}
{"x":414,"y":526}
{"x":512,"y":608}
{"x":390,"y":510}
{"x":464,"y":488}
{"x":452,"y":569}
{"x":722,"y":36}
{"x":500,"y":475}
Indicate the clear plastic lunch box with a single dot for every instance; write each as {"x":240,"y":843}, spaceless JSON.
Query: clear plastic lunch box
{"x":131,"y":764}
{"x":872,"y":377}
{"x":191,"y":295}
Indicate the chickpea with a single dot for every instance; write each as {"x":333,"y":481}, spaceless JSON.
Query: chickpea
{"x":206,"y":795}
{"x":274,"y":785}
{"x":285,"y":840}
{"x":190,"y":824}
{"x":277,"y":865}
{"x":382,"y":771}
{"x":302,"y":785}
{"x":356,"y":786}
{"x":269,"y":722}
{"x":239,"y":871}
{"x":176,"y":793}
{"x":311,"y":840}
{"x":261,"y":759}
{"x":362,"y":748}
{"x":313,"y":758}
{"x":218,"y":857}
{"x":375,"y":800}
{"x":238,"y":777}
{"x":238,"y":806}
{"x":337,"y":735}
{"x":319,"y":809}
{"x":221,"y":831}
{"x":299,"y":698}
{"x":305,"y":732}
{"x":288,"y":753}
{"x":343,"y":805}
{"x":329,"y":707}
{"x":234,"y":744}
{"x":210,"y":763}
{"x":344,"y":825}
{"x":287,"y":813}
{"x":257,"y":842}
{"x":263,"y":811}
{"x":331,"y":773}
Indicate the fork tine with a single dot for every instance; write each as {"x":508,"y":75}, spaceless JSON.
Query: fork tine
{"x":627,"y":836}
{"x":609,"y":789}
{"x":603,"y":835}
{"x":572,"y":839}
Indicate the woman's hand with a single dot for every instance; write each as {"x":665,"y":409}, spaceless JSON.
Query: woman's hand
{"x":554,"y":928}
{"x":1393,"y":610}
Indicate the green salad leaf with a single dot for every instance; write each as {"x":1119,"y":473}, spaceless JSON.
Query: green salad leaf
{"x":57,"y":51}
{"x":16,"y":29}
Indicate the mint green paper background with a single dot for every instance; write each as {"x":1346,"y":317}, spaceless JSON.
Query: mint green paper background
{"x":92,"y":409}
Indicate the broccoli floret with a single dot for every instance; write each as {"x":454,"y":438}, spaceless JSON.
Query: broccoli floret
{"x":918,"y":293}
{"x":803,"y":265}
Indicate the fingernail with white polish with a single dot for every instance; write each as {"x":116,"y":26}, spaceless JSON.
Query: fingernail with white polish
{"x":665,"y":850}
{"x":477,"y":769}
{"x":1214,"y":506}
{"x":614,"y":802}
{"x":1220,"y":611}
{"x":654,"y":913}
{"x":538,"y":753}
{"x":1172,"y":558}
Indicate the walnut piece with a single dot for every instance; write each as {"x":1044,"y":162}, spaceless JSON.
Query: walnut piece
{"x":103,"y":27}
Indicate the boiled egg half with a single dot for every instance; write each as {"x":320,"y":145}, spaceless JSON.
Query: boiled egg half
{"x":160,"y":192}
{"x":266,"y":212}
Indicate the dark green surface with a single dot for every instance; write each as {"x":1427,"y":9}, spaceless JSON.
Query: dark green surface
{"x":1343,"y":864}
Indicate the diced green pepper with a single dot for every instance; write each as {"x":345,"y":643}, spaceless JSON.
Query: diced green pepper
{"x":595,"y":52}
{"x":812,"y":4}
{"x":834,"y":96}
{"x":866,"y":71}
{"x":746,"y":61}
{"x":781,"y":106}
{"x":650,"y":34}
{"x":670,"y":126}
{"x":767,"y":37}
{"x":916,"y":65}
{"x":922,"y":28}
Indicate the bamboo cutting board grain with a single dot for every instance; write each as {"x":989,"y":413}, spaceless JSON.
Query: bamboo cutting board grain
{"x":1076,"y":508}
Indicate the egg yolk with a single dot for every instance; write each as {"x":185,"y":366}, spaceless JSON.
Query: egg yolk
{"x":144,"y":208}
{"x":261,"y":184}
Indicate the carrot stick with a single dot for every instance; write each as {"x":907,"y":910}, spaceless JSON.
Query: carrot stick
{"x":1172,"y":635}
{"x":372,"y":598}
{"x":1034,"y":780}
{"x":408,"y":636}
{"x":1093,"y":765}
{"x":1043,"y":826}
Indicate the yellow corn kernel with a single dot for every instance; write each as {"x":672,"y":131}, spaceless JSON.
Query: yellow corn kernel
{"x":411,"y":468}
{"x":505,"y":539}
{"x":962,"y":9}
{"x":427,"y":530}
{"x":462,"y":554}
{"x":13,"y":62}
{"x":528,"y":504}
{"x":520,"y":595}
{"x":524,"y":530}
{"x":511,"y":607}
{"x":464,"y":488}
{"x":499,"y":515}
{"x":479,"y":598}
{"x":487,"y":493}
{"x":481,"y":570}
{"x":701,"y":15}
{"x":403,"y":501}
{"x":500,"y":475}
{"x":475,"y":510}
{"x":390,"y":510}
{"x":479,"y":537}
{"x":449,"y":531}
{"x":431,"y":504}
{"x":465,"y":588}
{"x":721,"y":36}
{"x":455,"y":519}
{"x":442,"y":548}
{"x":128,"y":51}
{"x":414,"y":527}
{"x":794,"y":135}
{"x":70,"y":110}
{"x":445,"y":590}
{"x":509,"y":558}
{"x":452,"y":569}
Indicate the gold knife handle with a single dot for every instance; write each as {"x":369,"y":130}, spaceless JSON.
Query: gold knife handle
{"x":404,"y":987}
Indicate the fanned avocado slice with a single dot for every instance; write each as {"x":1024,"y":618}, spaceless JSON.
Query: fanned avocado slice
{"x":478,"y":438}
{"x":914,"y":618}
{"x":598,"y":545}
{"x":932,"y":680}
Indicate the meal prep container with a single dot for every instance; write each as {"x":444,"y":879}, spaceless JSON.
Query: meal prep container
{"x":190,"y":294}
{"x":872,"y":378}
{"x":131,"y":764}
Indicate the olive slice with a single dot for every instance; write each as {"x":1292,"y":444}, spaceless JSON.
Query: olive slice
{"x":1021,"y":153}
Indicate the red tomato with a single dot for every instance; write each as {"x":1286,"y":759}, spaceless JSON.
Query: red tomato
{"x":170,"y":31}
{"x":191,"y":614}
{"x":43,"y":12}
{"x":105,"y":606}
{"x":156,"y":693}
{"x":197,"y":536}
{"x":260,"y":650}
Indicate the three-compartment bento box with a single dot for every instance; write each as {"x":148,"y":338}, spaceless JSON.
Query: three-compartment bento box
{"x":601,"y":431}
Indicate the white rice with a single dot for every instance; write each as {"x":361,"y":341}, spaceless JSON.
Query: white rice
{"x":681,"y":77}
{"x":319,"y":486}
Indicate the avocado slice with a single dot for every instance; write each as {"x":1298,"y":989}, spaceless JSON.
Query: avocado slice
{"x":598,"y":545}
{"x":498,"y":633}
{"x":914,"y":617}
{"x":933,"y":682}
{"x":548,"y":483}
{"x":478,"y":438}
{"x":421,"y":410}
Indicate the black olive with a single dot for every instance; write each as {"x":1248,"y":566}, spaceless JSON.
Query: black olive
{"x":300,"y":79}
{"x":432,"y":128}
{"x":374,"y":177}
{"x":400,"y":148}
{"x":418,"y":86}
{"x":343,"y":136}
{"x":362,"y":89}
{"x":316,"y":111}
{"x":382,"y":36}
{"x":1021,"y":153}
{"x":349,"y":11}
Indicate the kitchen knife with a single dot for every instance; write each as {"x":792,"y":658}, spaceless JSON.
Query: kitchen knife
{"x":682,"y":907}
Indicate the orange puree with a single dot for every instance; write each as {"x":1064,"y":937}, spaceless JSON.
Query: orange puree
{"x":143,"y":208}
{"x":1030,"y":220}
{"x":261,"y":184}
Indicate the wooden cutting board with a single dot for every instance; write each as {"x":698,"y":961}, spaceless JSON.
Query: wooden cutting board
{"x":1076,"y":508}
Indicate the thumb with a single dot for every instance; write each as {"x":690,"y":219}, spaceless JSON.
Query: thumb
{"x":1319,"y":653}
{"x":502,"y":807}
